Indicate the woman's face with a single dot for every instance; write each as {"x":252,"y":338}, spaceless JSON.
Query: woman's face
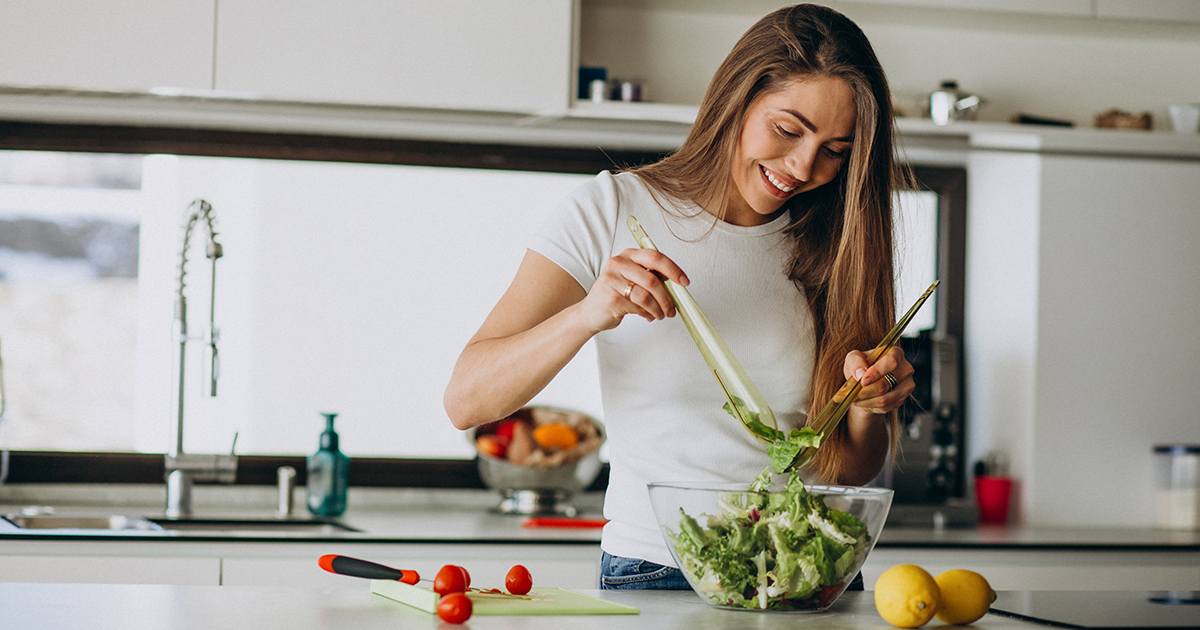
{"x":793,"y":140}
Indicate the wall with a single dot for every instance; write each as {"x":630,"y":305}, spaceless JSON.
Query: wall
{"x":1081,"y":310}
{"x":1118,"y":308}
{"x":1054,"y":66}
{"x":1001,"y":301}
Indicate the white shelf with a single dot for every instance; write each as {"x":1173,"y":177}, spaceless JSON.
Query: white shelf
{"x":608,"y":125}
{"x":621,"y":110}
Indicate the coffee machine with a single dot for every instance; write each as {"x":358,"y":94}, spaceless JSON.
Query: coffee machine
{"x":927,"y":472}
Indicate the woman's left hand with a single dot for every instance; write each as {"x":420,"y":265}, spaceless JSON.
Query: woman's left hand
{"x":878,"y":394}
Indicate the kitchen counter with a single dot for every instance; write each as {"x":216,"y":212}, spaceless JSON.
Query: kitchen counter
{"x":468,"y":516}
{"x":424,"y":529}
{"x":120,"y":606}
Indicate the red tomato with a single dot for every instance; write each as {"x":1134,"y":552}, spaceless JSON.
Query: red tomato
{"x":450,"y":579}
{"x":518,"y":581}
{"x":492,"y":444}
{"x":454,"y":608}
{"x":466,"y":577}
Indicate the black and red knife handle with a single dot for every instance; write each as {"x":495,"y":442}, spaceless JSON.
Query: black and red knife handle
{"x":345,"y":565}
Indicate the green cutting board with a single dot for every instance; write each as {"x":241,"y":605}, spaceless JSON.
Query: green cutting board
{"x":542,"y":601}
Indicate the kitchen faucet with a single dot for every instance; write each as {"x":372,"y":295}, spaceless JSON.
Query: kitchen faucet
{"x":184,"y":469}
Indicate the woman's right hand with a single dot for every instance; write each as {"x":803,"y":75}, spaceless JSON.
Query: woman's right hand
{"x":630,"y":283}
{"x":542,"y":321}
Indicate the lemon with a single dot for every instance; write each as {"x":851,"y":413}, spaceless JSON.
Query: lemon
{"x":906,"y":596}
{"x":966,"y":596}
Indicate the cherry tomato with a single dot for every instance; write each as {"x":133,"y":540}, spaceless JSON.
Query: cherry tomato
{"x":518,"y":581}
{"x":466,"y":577}
{"x":450,"y":579}
{"x":492,"y":444}
{"x":454,"y":608}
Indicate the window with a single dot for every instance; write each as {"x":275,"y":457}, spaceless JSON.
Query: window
{"x":69,"y":230}
{"x":343,"y":287}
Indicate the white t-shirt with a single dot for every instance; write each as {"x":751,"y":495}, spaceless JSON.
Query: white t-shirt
{"x":662,"y":406}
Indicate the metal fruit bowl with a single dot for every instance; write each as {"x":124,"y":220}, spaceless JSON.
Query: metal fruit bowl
{"x":530,"y":489}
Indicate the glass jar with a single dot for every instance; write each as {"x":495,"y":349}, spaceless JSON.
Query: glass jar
{"x":1178,"y":471}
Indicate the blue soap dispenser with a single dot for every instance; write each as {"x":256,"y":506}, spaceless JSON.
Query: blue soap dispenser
{"x":328,"y":474}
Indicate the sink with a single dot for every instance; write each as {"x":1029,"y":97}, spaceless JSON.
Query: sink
{"x":114,"y":522}
{"x":311,"y":525}
{"x":118,"y":522}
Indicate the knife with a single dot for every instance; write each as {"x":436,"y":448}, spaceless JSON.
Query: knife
{"x":353,"y":567}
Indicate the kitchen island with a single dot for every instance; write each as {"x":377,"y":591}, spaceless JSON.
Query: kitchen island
{"x":123,"y":606}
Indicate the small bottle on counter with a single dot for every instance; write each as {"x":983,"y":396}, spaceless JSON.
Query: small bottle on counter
{"x":328,"y":474}
{"x":1178,"y":486}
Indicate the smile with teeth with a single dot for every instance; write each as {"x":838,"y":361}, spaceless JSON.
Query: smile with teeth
{"x":775,"y":181}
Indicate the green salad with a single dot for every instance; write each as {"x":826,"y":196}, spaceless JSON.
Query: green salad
{"x":782,"y":550}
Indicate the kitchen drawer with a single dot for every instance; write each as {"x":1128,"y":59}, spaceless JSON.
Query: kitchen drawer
{"x":123,"y":569}
{"x":563,"y":566}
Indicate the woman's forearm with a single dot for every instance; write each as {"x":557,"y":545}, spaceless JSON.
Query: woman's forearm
{"x":866,"y":446}
{"x":496,"y":376}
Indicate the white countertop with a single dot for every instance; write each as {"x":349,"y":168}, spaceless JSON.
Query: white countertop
{"x":120,"y":606}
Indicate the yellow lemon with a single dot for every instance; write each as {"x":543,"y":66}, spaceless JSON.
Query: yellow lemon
{"x":906,"y":596}
{"x":966,"y":596}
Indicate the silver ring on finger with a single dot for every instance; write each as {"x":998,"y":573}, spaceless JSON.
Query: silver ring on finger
{"x":891,"y":381}
{"x":628,"y":291}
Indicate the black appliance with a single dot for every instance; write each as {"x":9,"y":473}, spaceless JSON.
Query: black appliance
{"x":928,"y":473}
{"x":928,"y":469}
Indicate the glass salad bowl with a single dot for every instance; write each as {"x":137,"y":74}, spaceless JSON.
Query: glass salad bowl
{"x":794,"y":549}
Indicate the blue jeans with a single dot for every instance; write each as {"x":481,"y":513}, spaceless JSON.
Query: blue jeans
{"x":617,"y":573}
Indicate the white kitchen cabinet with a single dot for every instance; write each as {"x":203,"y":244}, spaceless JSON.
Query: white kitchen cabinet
{"x":464,"y":54}
{"x":116,"y":44}
{"x":1156,"y":10}
{"x":110,"y":569}
{"x":563,"y":566}
{"x":1073,"y":8}
{"x":575,"y":566}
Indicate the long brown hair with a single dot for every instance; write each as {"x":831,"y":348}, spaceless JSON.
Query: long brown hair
{"x":842,"y":231}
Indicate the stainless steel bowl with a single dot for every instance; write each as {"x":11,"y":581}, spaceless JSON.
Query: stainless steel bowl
{"x":534,"y":490}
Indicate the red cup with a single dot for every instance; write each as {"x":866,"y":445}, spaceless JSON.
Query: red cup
{"x":993,"y":495}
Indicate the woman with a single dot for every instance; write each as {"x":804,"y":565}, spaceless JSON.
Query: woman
{"x":778,"y":206}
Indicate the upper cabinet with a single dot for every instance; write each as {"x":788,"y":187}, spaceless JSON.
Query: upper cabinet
{"x":1154,"y":10}
{"x":115,"y":44}
{"x":459,"y":54}
{"x":1060,"y":59}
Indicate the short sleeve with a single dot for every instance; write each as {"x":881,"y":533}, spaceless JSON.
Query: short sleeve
{"x":579,"y":234}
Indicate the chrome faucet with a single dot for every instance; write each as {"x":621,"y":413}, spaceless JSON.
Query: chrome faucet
{"x":184,"y":469}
